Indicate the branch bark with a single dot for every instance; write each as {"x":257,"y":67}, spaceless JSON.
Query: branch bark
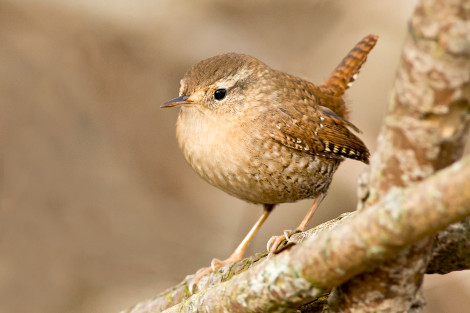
{"x":301,"y":274}
{"x":425,"y":130}
{"x":451,"y":252}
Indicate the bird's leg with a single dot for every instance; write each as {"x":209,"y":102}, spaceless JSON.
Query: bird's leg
{"x":237,"y":254}
{"x":275,"y":241}
{"x":316,"y":203}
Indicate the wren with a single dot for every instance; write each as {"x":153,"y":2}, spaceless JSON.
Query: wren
{"x":265,"y":136}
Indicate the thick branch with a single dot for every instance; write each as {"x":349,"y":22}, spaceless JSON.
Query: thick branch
{"x":297,"y":276}
{"x":427,"y":120}
{"x":424,"y":131}
{"x":451,"y":252}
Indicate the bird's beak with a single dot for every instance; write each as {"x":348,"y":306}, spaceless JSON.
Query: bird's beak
{"x":179,"y":101}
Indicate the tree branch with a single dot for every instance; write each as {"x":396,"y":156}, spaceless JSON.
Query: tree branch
{"x":329,"y":258}
{"x":451,"y":252}
{"x":424,"y":131}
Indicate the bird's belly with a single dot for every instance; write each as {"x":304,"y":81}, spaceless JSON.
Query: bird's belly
{"x":258,"y":171}
{"x":281,"y":174}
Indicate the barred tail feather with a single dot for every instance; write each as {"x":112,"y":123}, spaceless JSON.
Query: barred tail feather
{"x":346,"y":72}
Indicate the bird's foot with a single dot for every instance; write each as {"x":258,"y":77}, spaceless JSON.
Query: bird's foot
{"x":215,"y":265}
{"x":275,"y":241}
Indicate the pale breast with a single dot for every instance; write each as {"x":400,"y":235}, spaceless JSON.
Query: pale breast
{"x":212,"y":148}
{"x":245,"y":164}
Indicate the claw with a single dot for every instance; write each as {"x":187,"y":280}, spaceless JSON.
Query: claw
{"x":268,"y":245}
{"x":275,"y":241}
{"x":197,"y":277}
{"x":273,"y":244}
{"x":192,"y":287}
{"x":288,"y":237}
{"x":287,"y":234}
{"x":216,"y":264}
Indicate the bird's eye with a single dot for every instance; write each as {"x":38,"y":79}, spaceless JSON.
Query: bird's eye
{"x":219,"y":94}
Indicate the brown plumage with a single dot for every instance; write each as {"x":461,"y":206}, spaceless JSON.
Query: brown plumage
{"x":265,"y":136}
{"x":346,"y":72}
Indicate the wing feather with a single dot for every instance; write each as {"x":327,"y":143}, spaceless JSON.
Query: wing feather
{"x":317,"y":130}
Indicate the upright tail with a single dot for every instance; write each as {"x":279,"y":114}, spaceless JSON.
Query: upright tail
{"x":346,"y":72}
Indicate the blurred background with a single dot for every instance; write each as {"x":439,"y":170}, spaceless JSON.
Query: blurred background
{"x":98,"y":207}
